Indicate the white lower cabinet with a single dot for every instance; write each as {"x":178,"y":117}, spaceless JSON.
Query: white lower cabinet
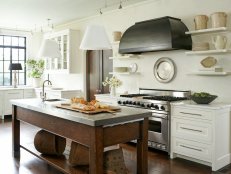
{"x":58,"y":94}
{"x":10,"y":94}
{"x":201,"y":133}
{"x":28,"y":93}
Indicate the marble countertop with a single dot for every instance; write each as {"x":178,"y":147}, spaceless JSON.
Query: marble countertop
{"x":3,"y":88}
{"x":57,"y":89}
{"x":213,"y":105}
{"x":101,"y":119}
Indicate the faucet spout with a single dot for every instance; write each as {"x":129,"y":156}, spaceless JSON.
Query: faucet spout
{"x":43,"y":94}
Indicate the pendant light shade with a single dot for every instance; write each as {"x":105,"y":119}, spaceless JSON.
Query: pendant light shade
{"x":95,"y":38}
{"x":49,"y":49}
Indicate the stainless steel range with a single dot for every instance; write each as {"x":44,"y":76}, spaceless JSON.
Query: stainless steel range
{"x":156,"y":101}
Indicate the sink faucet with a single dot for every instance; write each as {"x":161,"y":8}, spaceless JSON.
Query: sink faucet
{"x":43,"y":94}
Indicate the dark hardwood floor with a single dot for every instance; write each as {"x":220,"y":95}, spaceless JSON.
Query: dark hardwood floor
{"x":158,"y":162}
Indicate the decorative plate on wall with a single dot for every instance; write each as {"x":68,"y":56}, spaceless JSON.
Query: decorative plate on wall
{"x":164,"y":70}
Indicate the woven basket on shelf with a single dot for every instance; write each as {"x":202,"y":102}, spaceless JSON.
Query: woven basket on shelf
{"x":113,"y":159}
{"x":48,"y":143}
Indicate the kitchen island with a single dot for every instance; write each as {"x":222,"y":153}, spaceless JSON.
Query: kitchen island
{"x":94,"y":131}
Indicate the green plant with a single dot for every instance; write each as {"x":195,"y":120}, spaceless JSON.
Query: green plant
{"x":35,"y":67}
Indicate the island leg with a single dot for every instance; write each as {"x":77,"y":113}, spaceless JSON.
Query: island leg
{"x":15,"y":133}
{"x":96,"y":151}
{"x":142,"y":148}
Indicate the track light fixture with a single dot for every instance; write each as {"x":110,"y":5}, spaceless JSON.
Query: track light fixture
{"x":120,"y":6}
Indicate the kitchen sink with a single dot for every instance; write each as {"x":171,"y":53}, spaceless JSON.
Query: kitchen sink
{"x":53,"y":100}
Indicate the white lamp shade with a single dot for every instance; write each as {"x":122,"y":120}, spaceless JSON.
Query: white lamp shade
{"x":95,"y":38}
{"x":49,"y":49}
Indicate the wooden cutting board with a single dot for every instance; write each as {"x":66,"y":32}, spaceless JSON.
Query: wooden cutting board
{"x":68,"y":107}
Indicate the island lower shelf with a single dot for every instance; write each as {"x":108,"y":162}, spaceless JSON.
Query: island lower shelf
{"x":59,"y":162}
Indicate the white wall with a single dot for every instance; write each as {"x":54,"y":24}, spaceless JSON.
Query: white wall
{"x":183,"y":9}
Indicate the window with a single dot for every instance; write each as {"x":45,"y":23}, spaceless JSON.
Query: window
{"x":12,"y":50}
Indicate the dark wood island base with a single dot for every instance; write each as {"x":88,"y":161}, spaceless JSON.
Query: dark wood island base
{"x":96,"y":138}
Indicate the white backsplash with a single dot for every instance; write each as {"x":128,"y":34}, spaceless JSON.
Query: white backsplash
{"x":120,"y":20}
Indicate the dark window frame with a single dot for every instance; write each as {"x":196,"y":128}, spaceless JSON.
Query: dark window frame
{"x":4,"y":72}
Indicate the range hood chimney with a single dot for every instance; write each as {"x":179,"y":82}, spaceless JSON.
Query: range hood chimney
{"x":161,"y":34}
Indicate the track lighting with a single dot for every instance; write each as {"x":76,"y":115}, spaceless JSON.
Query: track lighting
{"x":120,"y":6}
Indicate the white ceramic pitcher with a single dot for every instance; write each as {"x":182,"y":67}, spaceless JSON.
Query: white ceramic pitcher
{"x":219,"y":42}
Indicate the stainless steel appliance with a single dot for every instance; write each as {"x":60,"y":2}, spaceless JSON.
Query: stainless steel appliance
{"x":156,"y":101}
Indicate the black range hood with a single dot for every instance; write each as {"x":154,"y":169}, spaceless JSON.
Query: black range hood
{"x":161,"y":34}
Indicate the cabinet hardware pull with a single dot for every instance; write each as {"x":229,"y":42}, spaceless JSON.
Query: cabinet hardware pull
{"x":191,"y":129}
{"x":13,"y":93}
{"x":190,"y":114}
{"x":191,"y":148}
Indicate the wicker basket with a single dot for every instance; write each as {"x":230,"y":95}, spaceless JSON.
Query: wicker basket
{"x":113,"y":159}
{"x":79,"y":154}
{"x":48,"y":143}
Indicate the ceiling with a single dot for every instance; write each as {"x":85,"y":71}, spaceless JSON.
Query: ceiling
{"x":33,"y":14}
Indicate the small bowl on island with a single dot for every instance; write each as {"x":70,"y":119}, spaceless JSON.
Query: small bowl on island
{"x":203,"y":98}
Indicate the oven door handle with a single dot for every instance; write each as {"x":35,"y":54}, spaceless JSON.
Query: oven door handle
{"x":163,"y":116}
{"x":155,"y":119}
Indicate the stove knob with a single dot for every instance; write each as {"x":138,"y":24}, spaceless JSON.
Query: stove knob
{"x":130,"y":102}
{"x":134,"y":103}
{"x":156,"y":106}
{"x":162,"y":108}
{"x":143,"y":105}
{"x":119,"y":102}
{"x":124,"y":102}
{"x":148,"y":105}
{"x":152,"y":105}
{"x":138,"y":103}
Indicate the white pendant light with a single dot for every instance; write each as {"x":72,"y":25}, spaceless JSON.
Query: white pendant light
{"x":95,"y":38}
{"x":49,"y":49}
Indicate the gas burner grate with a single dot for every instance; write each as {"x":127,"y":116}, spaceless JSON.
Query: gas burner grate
{"x":165,"y":98}
{"x":133,"y":95}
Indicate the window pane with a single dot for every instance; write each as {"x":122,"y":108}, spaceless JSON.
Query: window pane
{"x":22,"y":54}
{"x":14,"y":41}
{"x":7,"y":40}
{"x":1,"y":40}
{"x":23,"y":65}
{"x":21,"y":41}
{"x":1,"y":53}
{"x":14,"y":54}
{"x":7,"y":79}
{"x":6,"y":66}
{"x":1,"y":79}
{"x":6,"y":53}
{"x":1,"y":66}
{"x":21,"y":79}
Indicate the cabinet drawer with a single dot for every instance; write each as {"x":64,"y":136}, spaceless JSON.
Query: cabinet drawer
{"x":192,"y":130}
{"x":192,"y":149}
{"x":191,"y":113}
{"x":12,"y":94}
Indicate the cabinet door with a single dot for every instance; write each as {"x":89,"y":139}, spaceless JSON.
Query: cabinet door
{"x":9,"y":95}
{"x":28,"y":93}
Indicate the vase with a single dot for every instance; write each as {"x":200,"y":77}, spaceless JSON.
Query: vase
{"x":112,"y":91}
{"x":36,"y":82}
